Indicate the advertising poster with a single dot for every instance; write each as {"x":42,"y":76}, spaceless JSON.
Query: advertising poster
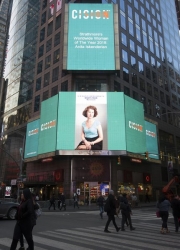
{"x":48,"y":125}
{"x":32,"y":137}
{"x":91,"y":121}
{"x":135,"y":126}
{"x":91,"y":37}
{"x":151,"y":140}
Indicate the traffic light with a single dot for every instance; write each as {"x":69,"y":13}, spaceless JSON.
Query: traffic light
{"x":146,"y":155}
{"x":119,"y":160}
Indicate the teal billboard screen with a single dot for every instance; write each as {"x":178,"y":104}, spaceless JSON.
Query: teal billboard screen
{"x":48,"y":125}
{"x":91,"y":37}
{"x":151,"y":140}
{"x":135,"y":127}
{"x":32,"y":137}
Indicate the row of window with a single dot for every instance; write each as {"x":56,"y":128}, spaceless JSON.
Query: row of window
{"x":50,"y":28}
{"x":45,"y":95}
{"x":49,"y":44}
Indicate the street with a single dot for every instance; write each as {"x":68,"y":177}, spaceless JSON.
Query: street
{"x":84,"y":230}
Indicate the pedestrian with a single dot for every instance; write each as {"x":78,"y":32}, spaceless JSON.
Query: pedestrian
{"x":134,"y":200}
{"x":175,"y":204}
{"x":147,"y":197}
{"x":24,"y":224}
{"x":62,"y":202}
{"x":87,"y":200}
{"x":163,"y":205}
{"x":100,"y":202}
{"x":76,"y":199}
{"x":126,"y":213}
{"x":111,"y":211}
{"x":52,"y":202}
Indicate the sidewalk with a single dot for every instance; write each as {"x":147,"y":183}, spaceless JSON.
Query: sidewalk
{"x":94,"y":207}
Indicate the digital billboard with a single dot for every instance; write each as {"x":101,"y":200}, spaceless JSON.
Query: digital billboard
{"x":90,"y":38}
{"x":48,"y":125}
{"x":93,"y":123}
{"x":151,"y":140}
{"x":32,"y":137}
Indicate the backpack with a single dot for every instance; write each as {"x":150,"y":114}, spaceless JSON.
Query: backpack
{"x":107,"y":207}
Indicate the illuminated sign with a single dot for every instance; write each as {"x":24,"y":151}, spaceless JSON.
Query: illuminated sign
{"x":151,"y":140}
{"x":32,"y":137}
{"x":91,"y":123}
{"x":91,"y":37}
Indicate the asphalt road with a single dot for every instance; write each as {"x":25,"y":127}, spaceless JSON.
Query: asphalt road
{"x":84,"y":230}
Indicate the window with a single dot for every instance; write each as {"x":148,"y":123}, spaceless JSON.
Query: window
{"x":149,"y":89}
{"x":136,"y":4}
{"x":122,"y":6}
{"x":151,"y":45}
{"x":135,"y":96}
{"x":132,"y":45}
{"x":143,"y":25}
{"x":38,"y":84}
{"x":48,"y":45}
{"x":64,"y":86}
{"x":36,"y":103}
{"x":39,"y":67}
{"x":46,"y":79}
{"x":137,"y":19}
{"x":142,"y":11}
{"x":142,"y":84}
{"x":150,"y":107}
{"x":45,"y":95}
{"x":126,"y":91}
{"x":156,"y":94}
{"x":50,"y":29}
{"x":141,"y":68}
{"x":138,"y":33}
{"x":168,"y":100}
{"x":123,"y":39}
{"x":41,"y":51}
{"x":131,"y":28}
{"x":123,"y":22}
{"x":47,"y":61}
{"x":146,"y":56}
{"x":162,"y":98}
{"x":134,"y":80}
{"x":55,"y":74}
{"x":124,"y":56}
{"x":148,"y":73}
{"x":54,"y":90}
{"x":43,"y":18}
{"x":125,"y":74}
{"x":117,"y":86}
{"x":58,"y":22}
{"x":57,"y":39}
{"x":133,"y":62}
{"x":44,"y":4}
{"x":171,"y":72}
{"x":130,"y":12}
{"x":139,"y":51}
{"x":56,"y":56}
{"x":154,"y":77}
{"x":42,"y":34}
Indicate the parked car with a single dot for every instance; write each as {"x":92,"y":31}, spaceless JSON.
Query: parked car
{"x":8,"y":209}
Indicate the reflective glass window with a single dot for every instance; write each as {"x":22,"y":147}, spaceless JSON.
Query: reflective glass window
{"x":55,"y":74}
{"x":130,"y":12}
{"x":123,"y":39}
{"x":54,"y":90}
{"x":41,"y":51}
{"x":147,"y":5}
{"x":136,"y":4}
{"x":141,"y":68}
{"x":39,"y":67}
{"x":134,"y":80}
{"x":125,"y":74}
{"x":143,"y":25}
{"x":49,"y":45}
{"x":133,"y":62}
{"x":58,"y":22}
{"x":124,"y":56}
{"x":139,"y":51}
{"x":42,"y":34}
{"x":57,"y":39}
{"x":131,"y":28}
{"x":145,"y":40}
{"x":123,"y":22}
{"x":38,"y":84}
{"x":45,"y":95}
{"x":46,"y":79}
{"x":47,"y":61}
{"x":56,"y":56}
{"x":138,"y":34}
{"x":148,"y":17}
{"x":50,"y":28}
{"x":146,"y":56}
{"x":43,"y":18}
{"x":142,"y":11}
{"x":137,"y":19}
{"x":37,"y":103}
{"x":132,"y":45}
{"x":122,"y":5}
{"x":148,"y":73}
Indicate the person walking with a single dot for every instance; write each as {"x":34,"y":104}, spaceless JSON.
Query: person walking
{"x":111,"y":212}
{"x":175,"y":204}
{"x":163,"y":205}
{"x":52,"y":202}
{"x":62,"y":202}
{"x":25,"y":221}
{"x":100,"y":202}
{"x":126,"y":213}
{"x":76,"y":199}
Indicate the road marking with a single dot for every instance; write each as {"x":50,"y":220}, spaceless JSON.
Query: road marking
{"x":7,"y":242}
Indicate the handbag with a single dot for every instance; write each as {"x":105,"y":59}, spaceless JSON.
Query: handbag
{"x":158,"y":214}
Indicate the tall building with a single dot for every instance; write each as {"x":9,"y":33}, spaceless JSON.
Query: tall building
{"x":149,"y":72}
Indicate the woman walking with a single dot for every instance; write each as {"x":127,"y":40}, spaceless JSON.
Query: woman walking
{"x":25,"y":221}
{"x":163,"y":205}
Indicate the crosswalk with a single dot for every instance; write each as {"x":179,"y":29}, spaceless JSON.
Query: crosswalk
{"x":137,"y":214}
{"x":146,"y":236}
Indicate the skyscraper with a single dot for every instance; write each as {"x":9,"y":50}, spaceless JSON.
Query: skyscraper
{"x":149,"y":73}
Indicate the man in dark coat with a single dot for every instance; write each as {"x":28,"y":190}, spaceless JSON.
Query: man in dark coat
{"x":175,"y":204}
{"x":111,"y":212}
{"x":126,"y":212}
{"x":100,"y":202}
{"x":52,"y":202}
{"x":25,"y":221}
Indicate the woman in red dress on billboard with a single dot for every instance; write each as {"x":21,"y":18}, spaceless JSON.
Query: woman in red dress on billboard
{"x":92,"y":134}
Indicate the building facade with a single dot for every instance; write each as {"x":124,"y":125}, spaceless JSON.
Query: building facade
{"x":149,"y":73}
